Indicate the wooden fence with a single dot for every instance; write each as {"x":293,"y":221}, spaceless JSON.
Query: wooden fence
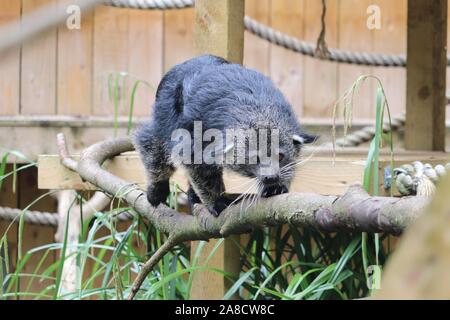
{"x":69,"y":72}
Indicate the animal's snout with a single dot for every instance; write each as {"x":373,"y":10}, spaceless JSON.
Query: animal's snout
{"x":271,"y":180}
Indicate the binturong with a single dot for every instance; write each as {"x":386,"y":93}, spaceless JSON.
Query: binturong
{"x":211,"y":115}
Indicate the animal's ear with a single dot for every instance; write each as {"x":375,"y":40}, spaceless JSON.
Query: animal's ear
{"x":304,"y":138}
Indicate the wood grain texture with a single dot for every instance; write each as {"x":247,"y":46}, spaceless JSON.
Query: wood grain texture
{"x":142,"y":42}
{"x":286,"y":66}
{"x":35,"y":236}
{"x":110,"y":57}
{"x":145,"y":57}
{"x":9,"y":64}
{"x":320,"y":77}
{"x":219,"y":30}
{"x":9,"y":198}
{"x":256,"y":50}
{"x":178,"y":36}
{"x":391,"y":39}
{"x":75,"y":66}
{"x":427,"y":61}
{"x":318,"y":175}
{"x":355,"y":36}
{"x":38,"y":78}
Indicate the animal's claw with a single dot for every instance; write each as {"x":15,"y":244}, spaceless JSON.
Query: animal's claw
{"x":273,"y":191}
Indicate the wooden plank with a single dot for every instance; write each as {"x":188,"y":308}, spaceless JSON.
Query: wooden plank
{"x":9,"y":198}
{"x":219,"y":30}
{"x":35,"y":236}
{"x":9,"y":64}
{"x":130,"y":42}
{"x":145,"y":57}
{"x":111,"y":28}
{"x":355,"y":36}
{"x":320,"y":84}
{"x":38,"y":78}
{"x":82,"y":132}
{"x":286,"y":66}
{"x":448,"y":70}
{"x":318,"y":175}
{"x":178,"y":36}
{"x":74,"y":64}
{"x":427,"y":61}
{"x":256,"y":50}
{"x":391,"y":39}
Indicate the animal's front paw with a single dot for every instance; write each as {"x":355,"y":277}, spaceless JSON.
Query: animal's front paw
{"x":274,"y":191}
{"x":219,"y":205}
{"x":157,"y":193}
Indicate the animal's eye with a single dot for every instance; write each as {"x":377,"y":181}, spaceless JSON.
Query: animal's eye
{"x":280,"y":157}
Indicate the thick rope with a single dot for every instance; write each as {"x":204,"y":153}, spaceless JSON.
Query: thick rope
{"x":45,"y":218}
{"x":308,"y":49}
{"x":418,"y":178}
{"x":151,"y":4}
{"x":366,"y":134}
{"x":278,"y":38}
{"x":32,"y":217}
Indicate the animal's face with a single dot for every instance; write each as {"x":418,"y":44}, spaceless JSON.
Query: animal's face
{"x":272,"y":160}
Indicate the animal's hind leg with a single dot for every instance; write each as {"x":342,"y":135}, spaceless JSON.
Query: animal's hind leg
{"x":159,"y":171}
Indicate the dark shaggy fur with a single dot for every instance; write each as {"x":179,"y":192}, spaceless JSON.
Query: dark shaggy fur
{"x":222,"y":95}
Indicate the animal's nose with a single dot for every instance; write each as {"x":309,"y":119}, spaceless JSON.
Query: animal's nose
{"x":270,"y":180}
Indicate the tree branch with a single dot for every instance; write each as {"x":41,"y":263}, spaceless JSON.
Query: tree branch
{"x":354,"y":211}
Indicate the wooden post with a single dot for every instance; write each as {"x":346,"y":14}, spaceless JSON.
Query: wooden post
{"x":219,"y":30}
{"x":426,"y":75}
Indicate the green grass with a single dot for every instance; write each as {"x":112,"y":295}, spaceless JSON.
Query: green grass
{"x":371,"y":171}
{"x":276,"y":263}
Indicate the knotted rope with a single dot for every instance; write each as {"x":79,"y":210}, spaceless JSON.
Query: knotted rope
{"x":418,"y":178}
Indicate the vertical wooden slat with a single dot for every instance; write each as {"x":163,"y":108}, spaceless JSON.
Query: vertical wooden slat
{"x":74,"y":88}
{"x":320,"y":77}
{"x":256,"y":50}
{"x":9,"y":198}
{"x":178,"y":36}
{"x":38,"y":79}
{"x":128,"y":41}
{"x":110,"y":54}
{"x":145,"y":61}
{"x":219,"y":29}
{"x":391,"y":39}
{"x":427,"y":61}
{"x":9,"y":63}
{"x":287,"y":66}
{"x":448,"y":71}
{"x":355,"y":36}
{"x":35,"y":236}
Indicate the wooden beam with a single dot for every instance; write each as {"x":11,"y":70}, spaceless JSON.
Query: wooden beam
{"x":318,"y":175}
{"x":82,"y":132}
{"x":219,"y":30}
{"x":426,"y":75}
